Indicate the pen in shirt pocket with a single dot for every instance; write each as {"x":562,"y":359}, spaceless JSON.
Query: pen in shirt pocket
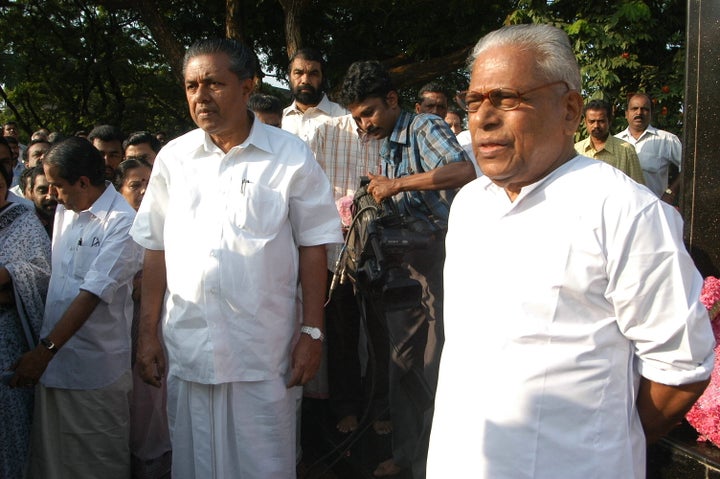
{"x":245,"y":181}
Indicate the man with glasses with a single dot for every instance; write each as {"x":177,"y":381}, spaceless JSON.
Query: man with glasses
{"x":574,"y":333}
{"x":423,"y":164}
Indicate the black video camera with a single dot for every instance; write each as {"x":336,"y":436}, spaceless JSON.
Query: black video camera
{"x":377,"y":240}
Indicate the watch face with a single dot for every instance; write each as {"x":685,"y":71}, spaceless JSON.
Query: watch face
{"x":315,"y":333}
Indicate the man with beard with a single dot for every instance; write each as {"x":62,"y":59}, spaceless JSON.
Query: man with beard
{"x":656,"y":149}
{"x":602,"y":146}
{"x":38,"y":190}
{"x":311,"y":105}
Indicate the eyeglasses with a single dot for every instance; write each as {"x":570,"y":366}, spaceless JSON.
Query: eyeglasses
{"x":505,"y":99}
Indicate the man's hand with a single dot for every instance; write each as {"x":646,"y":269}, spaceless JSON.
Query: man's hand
{"x":305,"y":360}
{"x":150,"y":358}
{"x":381,"y":187}
{"x":30,"y":367}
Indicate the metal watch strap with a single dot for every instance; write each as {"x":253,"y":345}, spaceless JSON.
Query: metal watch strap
{"x":313,"y":332}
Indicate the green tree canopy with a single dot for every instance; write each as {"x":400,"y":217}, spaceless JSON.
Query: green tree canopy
{"x":71,"y":64}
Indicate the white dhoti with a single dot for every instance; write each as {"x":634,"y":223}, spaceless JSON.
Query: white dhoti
{"x":243,"y":430}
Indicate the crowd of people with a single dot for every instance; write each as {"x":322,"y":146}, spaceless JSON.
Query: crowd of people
{"x":167,"y":306}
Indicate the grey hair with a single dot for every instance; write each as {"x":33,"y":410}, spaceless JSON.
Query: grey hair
{"x":554,"y":56}
{"x":242,"y":59}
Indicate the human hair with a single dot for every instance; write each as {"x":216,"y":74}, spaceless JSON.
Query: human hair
{"x":639,"y":93}
{"x":263,"y":103}
{"x":9,"y":170}
{"x":550,"y":46}
{"x":55,"y":137}
{"x":598,"y":104}
{"x":6,"y":173}
{"x":26,"y":151}
{"x":432,"y":87}
{"x":129,"y":163}
{"x":457,"y":111}
{"x":105,"y":133}
{"x":242,"y":59}
{"x":140,"y":137}
{"x":363,"y":80}
{"x":311,"y":55}
{"x":75,"y":157}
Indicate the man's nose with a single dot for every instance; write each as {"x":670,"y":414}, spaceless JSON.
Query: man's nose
{"x":365,"y":124}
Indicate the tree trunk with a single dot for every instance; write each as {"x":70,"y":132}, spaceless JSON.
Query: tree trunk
{"x":293,"y":34}
{"x":167,"y":43}
{"x":233,"y":21}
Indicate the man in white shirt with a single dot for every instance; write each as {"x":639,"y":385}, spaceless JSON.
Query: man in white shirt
{"x":310,"y":105}
{"x":574,"y":333}
{"x":236,"y":213}
{"x":656,"y":149}
{"x":81,"y":421}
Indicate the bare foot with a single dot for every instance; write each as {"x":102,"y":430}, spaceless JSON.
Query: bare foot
{"x":347,"y":424}
{"x":387,"y":468}
{"x":383,"y":427}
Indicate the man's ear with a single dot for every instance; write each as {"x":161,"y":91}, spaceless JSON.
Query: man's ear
{"x":392,"y":99}
{"x":417,"y":107}
{"x":84,"y":182}
{"x":573,"y":111}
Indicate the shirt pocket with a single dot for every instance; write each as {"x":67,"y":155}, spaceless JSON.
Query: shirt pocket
{"x":84,"y":257}
{"x":260,"y":211}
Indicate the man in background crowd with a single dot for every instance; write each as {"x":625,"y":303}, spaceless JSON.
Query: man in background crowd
{"x":601,"y":145}
{"x":657,"y":150}
{"x":311,"y":105}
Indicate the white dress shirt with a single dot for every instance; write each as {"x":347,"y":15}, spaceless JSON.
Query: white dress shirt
{"x":657,"y":150}
{"x":303,"y":124}
{"x":555,"y":305}
{"x":230,"y":225}
{"x":93,"y":251}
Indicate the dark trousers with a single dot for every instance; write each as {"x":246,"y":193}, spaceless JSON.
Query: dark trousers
{"x":414,"y":337}
{"x":342,"y":328}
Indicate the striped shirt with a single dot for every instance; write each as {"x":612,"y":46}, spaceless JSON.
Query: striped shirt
{"x":421,"y":143}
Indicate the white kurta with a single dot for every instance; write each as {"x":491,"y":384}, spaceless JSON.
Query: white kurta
{"x":303,"y":124}
{"x":93,"y":251}
{"x":555,"y":304}
{"x":656,"y":150}
{"x":230,"y":225}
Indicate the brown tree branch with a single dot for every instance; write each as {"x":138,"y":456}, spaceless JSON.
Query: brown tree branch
{"x":425,"y":71}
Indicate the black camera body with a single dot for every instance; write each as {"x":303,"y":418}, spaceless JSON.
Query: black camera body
{"x":378,"y":239}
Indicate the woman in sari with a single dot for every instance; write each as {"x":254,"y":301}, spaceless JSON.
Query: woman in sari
{"x":149,"y":436}
{"x":24,"y":277}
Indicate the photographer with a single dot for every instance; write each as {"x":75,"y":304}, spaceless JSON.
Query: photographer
{"x":423,"y":164}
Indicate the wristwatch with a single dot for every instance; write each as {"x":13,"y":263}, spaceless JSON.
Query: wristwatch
{"x":669,"y":192}
{"x":49,"y":345}
{"x":313,"y":332}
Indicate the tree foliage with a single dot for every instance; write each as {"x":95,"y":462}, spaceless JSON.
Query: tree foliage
{"x":71,"y":64}
{"x":623,"y":47}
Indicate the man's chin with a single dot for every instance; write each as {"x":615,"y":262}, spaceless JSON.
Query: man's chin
{"x":307,"y":98}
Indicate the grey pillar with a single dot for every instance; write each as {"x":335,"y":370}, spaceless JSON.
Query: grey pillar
{"x":700,"y":202}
